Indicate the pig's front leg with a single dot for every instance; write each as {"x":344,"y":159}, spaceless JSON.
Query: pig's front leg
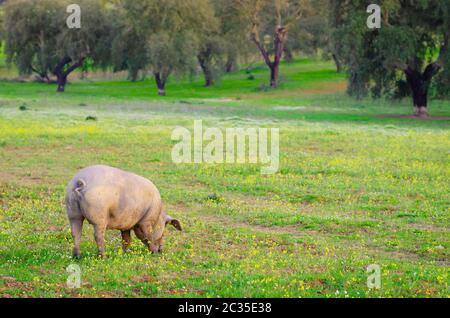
{"x":126,"y":240}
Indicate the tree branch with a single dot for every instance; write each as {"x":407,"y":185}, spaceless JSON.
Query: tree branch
{"x":41,"y":74}
{"x":296,"y":16}
{"x":74,"y":66}
{"x":433,"y":68}
{"x":253,"y":11}
{"x":280,"y":35}
{"x":444,"y":49}
{"x":60,"y":66}
{"x":263,"y":51}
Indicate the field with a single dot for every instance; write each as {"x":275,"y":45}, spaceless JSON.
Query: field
{"x":358,"y":185}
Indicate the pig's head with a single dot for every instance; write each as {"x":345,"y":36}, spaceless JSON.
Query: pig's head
{"x":159,"y":229}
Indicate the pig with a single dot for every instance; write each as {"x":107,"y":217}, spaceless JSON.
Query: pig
{"x":110,"y":198}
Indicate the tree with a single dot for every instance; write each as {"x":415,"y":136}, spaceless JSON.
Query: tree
{"x":442,"y":83}
{"x":413,"y":42}
{"x":129,"y":53}
{"x":2,"y":30}
{"x":129,"y":48}
{"x":211,"y":43}
{"x":338,"y":12}
{"x":171,"y":32}
{"x":308,"y":36}
{"x":210,"y":57}
{"x":271,"y":16}
{"x":39,"y":41}
{"x":171,"y":53}
{"x":232,"y":31}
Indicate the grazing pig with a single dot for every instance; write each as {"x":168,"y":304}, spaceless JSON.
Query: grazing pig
{"x":110,"y":198}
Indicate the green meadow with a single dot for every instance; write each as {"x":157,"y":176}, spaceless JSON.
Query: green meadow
{"x":359,"y":183}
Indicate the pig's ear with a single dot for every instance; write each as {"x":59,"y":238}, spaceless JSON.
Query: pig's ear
{"x":175,"y":223}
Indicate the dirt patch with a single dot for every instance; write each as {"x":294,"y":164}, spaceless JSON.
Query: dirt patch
{"x":21,"y":179}
{"x":13,"y":284}
{"x":326,"y":88}
{"x":427,"y":227}
{"x":406,"y":255}
{"x":227,"y":222}
{"x":143,"y":279}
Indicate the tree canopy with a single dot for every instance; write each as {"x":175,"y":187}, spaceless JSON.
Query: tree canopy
{"x":38,"y":40}
{"x":172,"y":34}
{"x":407,"y":56}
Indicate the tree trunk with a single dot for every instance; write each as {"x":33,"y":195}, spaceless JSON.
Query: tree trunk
{"x":61,"y":72}
{"x":209,"y":81}
{"x":204,"y":64}
{"x":161,"y":84}
{"x":279,"y":39}
{"x":274,"y":72}
{"x":61,"y":76}
{"x":419,"y":84}
{"x":62,"y":81}
{"x":230,"y":65}
{"x":338,"y":63}
{"x":420,"y":101}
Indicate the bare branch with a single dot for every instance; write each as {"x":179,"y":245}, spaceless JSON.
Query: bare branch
{"x":278,"y":6}
{"x":294,"y":17}
{"x":252,"y":9}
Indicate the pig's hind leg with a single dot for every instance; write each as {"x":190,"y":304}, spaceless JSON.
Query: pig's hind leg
{"x":76,"y":225}
{"x":76,"y":220}
{"x":99,"y":235}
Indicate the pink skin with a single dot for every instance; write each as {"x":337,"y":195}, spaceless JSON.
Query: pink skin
{"x":109,"y":198}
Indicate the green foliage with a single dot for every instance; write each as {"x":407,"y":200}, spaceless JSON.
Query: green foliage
{"x":232,"y":26}
{"x":38,"y":38}
{"x":129,"y":52}
{"x":170,"y":33}
{"x":311,"y":34}
{"x":32,"y":31}
{"x":411,"y":37}
{"x":172,"y":53}
{"x":212,"y":57}
{"x":441,"y":86}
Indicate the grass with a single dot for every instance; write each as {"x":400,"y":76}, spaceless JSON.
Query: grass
{"x":357,"y":186}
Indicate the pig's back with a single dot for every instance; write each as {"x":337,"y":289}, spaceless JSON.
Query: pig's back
{"x":124,"y":196}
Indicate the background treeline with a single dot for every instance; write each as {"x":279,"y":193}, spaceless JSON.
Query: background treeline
{"x":408,"y":56}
